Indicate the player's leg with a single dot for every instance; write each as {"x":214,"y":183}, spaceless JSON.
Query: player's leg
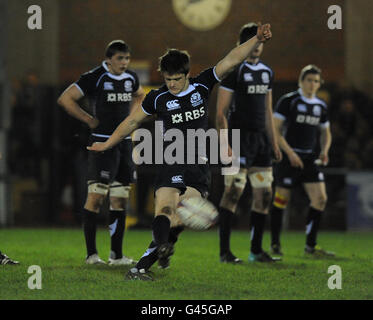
{"x":316,"y":192}
{"x":125,"y":175}
{"x":234,"y":186}
{"x":119,"y":195}
{"x":280,"y":202}
{"x":261,"y":182}
{"x":286,"y":177}
{"x":176,"y":226}
{"x":166,"y":199}
{"x":100,"y":168}
{"x":95,"y":198}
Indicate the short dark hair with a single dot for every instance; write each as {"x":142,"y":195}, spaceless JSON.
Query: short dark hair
{"x":174,"y":61}
{"x":248,"y":31}
{"x":309,"y":69}
{"x":116,"y":46}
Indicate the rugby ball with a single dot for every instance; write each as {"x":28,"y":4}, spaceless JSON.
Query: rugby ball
{"x":197,"y":213}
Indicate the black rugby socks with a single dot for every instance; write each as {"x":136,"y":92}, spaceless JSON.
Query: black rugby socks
{"x":276,"y":224}
{"x":257,"y":230}
{"x":312,"y":226}
{"x":161,"y":229}
{"x":117,"y":223}
{"x":225,"y":222}
{"x":149,"y":257}
{"x":89,"y":227}
{"x":174,"y":234}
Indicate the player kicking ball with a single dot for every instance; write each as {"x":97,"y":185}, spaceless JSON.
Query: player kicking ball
{"x":303,"y":115}
{"x":174,"y":103}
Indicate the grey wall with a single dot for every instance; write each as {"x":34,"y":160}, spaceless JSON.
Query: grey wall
{"x":359,"y":44}
{"x":33,"y":49}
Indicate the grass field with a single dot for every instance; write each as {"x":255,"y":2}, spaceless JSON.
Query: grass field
{"x":195,"y":272}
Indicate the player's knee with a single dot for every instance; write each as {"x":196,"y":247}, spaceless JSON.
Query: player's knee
{"x":261,"y":179}
{"x":234,"y":186}
{"x":233,"y":194}
{"x":94,"y":202}
{"x":266,"y":199}
{"x":280,"y":200}
{"x":320,"y":202}
{"x":262,"y":201}
{"x":117,"y":203}
{"x":167,"y":211}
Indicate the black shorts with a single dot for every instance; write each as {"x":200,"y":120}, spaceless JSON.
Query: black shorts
{"x":112,"y":165}
{"x":287,"y":176}
{"x":255,"y":150}
{"x":182,"y":176}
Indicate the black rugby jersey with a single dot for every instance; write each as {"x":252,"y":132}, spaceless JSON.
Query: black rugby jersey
{"x":110,"y":95}
{"x":303,"y":117}
{"x":250,"y":84}
{"x":186,"y":110}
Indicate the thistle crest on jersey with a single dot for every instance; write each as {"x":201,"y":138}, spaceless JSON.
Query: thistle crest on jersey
{"x":196,"y":99}
{"x":128,"y":85}
{"x":265,"y":77}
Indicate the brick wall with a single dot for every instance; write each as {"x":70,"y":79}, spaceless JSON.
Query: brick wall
{"x":300,"y":33}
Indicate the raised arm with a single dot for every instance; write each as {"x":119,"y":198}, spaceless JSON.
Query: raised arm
{"x":125,"y":128}
{"x":241,"y":52}
{"x":68,"y":100}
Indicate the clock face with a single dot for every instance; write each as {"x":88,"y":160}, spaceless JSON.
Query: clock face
{"x":201,"y":14}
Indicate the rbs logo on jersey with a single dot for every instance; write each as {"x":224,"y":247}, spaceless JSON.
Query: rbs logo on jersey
{"x":188,"y":115}
{"x":119,"y":97}
{"x":259,"y":88}
{"x":313,"y":121}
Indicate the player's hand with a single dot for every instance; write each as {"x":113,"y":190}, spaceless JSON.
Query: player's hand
{"x":98,"y":147}
{"x":277,"y":153}
{"x":226,"y":156}
{"x":264,"y":32}
{"x":324,"y":159}
{"x":295,"y":161}
{"x":93,"y":123}
{"x":230,"y":152}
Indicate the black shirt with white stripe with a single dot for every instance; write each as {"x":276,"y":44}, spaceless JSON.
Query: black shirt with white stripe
{"x":250,"y":84}
{"x":110,"y":94}
{"x":303,"y":117}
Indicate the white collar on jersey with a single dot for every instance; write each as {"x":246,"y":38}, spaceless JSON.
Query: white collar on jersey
{"x":113,"y":76}
{"x":252,"y":63}
{"x":314,"y":99}
{"x":257,"y":66}
{"x":185,"y":92}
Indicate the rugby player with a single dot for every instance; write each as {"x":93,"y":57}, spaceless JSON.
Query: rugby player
{"x":181,"y":103}
{"x":299,"y":116}
{"x":246,"y":94}
{"x":114,"y":91}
